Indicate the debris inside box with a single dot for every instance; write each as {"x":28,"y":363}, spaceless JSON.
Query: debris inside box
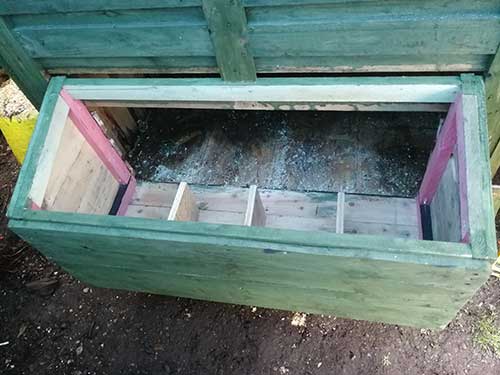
{"x":383,"y":153}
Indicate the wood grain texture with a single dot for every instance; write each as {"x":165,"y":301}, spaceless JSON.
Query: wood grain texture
{"x":478,"y":177}
{"x":93,"y":134}
{"x":281,"y":91}
{"x":227,"y":25}
{"x":20,"y":65}
{"x":339,"y":224}
{"x":281,"y":209}
{"x":272,"y":276}
{"x":48,"y":156}
{"x":282,"y":36}
{"x":184,"y":206}
{"x":255,"y":213}
{"x":19,"y":200}
{"x":445,"y":206}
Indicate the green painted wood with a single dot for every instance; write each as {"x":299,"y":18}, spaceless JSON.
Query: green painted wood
{"x":191,"y":64}
{"x":478,"y":178}
{"x":18,"y":202}
{"x":271,"y":90}
{"x":178,"y":32}
{"x":21,"y":67}
{"x":285,"y":64}
{"x":373,"y":64}
{"x":493,"y":106}
{"x":228,"y":29}
{"x":65,"y":6}
{"x":443,"y":254}
{"x":308,"y":39}
{"x":316,"y":282}
{"x":283,"y":35}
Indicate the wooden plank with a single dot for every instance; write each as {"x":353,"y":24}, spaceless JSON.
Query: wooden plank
{"x":20,"y":66}
{"x":19,"y":198}
{"x":179,"y":32}
{"x":386,"y":216}
{"x":478,"y":178}
{"x":263,"y":106}
{"x":351,"y":287}
{"x":68,"y":150}
{"x":346,"y":245}
{"x":284,"y":64}
{"x":8,"y":7}
{"x":339,"y":224}
{"x":184,"y":207}
{"x":277,"y":90}
{"x":438,"y":161}
{"x":227,"y":25}
{"x":48,"y":152}
{"x":96,"y":138}
{"x":87,"y":188}
{"x":445,"y":206}
{"x":255,"y":214}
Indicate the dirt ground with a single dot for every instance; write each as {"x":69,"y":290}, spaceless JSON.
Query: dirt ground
{"x":51,"y":323}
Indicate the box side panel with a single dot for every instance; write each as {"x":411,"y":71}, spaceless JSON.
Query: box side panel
{"x":479,"y":192}
{"x":283,"y":36}
{"x":359,"y":288}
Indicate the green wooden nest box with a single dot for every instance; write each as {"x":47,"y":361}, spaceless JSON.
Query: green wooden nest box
{"x":405,"y":260}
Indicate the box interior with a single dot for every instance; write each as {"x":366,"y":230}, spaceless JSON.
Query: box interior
{"x":334,"y":171}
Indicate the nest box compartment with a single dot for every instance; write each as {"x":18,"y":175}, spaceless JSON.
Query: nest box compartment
{"x":346,"y":247}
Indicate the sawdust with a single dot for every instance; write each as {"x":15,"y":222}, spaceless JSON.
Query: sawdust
{"x":380,"y":153}
{"x":13,"y":103}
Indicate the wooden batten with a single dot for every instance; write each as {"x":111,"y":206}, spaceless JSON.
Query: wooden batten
{"x":49,"y":152}
{"x":184,"y":207}
{"x":255,"y":214}
{"x":339,"y":224}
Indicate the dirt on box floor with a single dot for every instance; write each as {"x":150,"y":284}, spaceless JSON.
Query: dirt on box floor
{"x":51,"y":323}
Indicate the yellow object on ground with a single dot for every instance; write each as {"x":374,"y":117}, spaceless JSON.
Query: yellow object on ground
{"x":18,"y":134}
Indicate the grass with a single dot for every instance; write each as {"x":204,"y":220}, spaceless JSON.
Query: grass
{"x":487,"y":334}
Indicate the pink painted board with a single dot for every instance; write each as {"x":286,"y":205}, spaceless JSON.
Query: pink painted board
{"x":127,"y":197}
{"x":91,"y":131}
{"x":438,"y":160}
{"x":450,"y":140}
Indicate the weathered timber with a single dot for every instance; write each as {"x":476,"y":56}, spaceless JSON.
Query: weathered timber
{"x":227,"y":25}
{"x":20,"y":66}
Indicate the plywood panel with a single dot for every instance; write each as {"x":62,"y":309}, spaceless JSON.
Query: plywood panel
{"x":79,"y":181}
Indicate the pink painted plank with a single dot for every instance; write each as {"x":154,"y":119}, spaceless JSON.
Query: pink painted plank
{"x":462,"y":176}
{"x":91,"y":131}
{"x":450,"y":140}
{"x":443,"y":149}
{"x":35,"y":207}
{"x":127,"y":197}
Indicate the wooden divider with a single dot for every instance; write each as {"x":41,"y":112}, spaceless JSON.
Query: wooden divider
{"x":340,"y":212}
{"x":184,"y":207}
{"x":255,"y":214}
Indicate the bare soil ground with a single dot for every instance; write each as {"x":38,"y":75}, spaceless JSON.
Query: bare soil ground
{"x":51,"y":323}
